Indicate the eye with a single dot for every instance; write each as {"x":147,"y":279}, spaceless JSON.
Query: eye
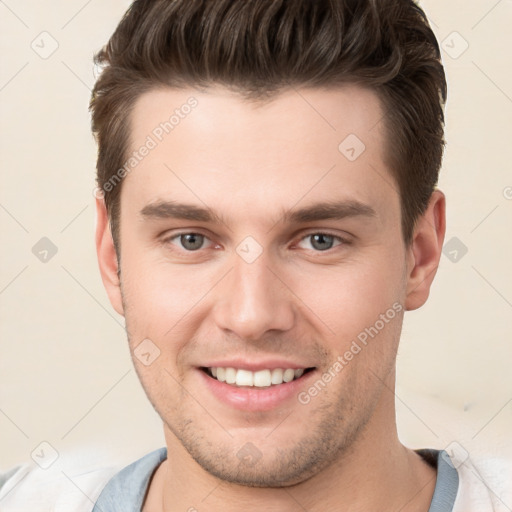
{"x":319,"y":241}
{"x":189,"y":241}
{"x":323,"y":241}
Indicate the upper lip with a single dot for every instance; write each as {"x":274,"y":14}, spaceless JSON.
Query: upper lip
{"x":254,"y":366}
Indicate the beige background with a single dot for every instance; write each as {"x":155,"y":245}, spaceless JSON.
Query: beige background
{"x":65,"y":373}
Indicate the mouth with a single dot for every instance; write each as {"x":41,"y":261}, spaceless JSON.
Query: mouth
{"x":265,"y":378}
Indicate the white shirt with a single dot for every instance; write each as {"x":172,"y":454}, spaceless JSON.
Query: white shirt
{"x":484,"y":486}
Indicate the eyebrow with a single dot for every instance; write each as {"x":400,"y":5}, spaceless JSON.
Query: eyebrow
{"x":335,"y":210}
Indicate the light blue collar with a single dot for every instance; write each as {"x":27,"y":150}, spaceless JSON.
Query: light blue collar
{"x":126,"y":490}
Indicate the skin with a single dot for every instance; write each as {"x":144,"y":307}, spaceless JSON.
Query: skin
{"x":249,"y":163}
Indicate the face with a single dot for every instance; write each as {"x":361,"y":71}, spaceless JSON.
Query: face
{"x":259,"y":243}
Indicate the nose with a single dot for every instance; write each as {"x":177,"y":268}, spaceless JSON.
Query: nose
{"x":253,"y":299}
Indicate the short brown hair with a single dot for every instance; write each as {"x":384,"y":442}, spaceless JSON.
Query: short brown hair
{"x":258,"y":48}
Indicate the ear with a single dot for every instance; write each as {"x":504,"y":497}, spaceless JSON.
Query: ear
{"x":424,"y":252}
{"x":107,"y":257}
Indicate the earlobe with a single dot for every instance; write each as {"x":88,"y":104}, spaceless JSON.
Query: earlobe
{"x":425,"y":250}
{"x":107,"y":257}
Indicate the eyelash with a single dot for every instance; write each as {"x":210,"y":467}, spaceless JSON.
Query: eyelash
{"x":343,"y":241}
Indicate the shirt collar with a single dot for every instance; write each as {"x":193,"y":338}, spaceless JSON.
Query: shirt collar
{"x":127,"y":489}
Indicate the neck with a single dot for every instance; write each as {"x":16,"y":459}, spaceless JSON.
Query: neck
{"x":378,"y":473}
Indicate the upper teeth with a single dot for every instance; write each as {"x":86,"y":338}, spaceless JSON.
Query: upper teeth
{"x":260,"y":379}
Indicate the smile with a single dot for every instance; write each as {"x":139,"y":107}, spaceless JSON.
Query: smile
{"x":260,"y":379}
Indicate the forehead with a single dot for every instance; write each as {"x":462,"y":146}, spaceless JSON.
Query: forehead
{"x":214,"y":148}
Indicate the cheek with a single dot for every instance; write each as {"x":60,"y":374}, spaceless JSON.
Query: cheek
{"x":347,"y":299}
{"x":152,"y":287}
{"x":161,"y":299}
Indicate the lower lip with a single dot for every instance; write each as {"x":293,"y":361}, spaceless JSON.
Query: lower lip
{"x":254,"y":398}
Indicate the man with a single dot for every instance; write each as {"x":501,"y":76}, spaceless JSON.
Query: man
{"x":267,"y":211}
